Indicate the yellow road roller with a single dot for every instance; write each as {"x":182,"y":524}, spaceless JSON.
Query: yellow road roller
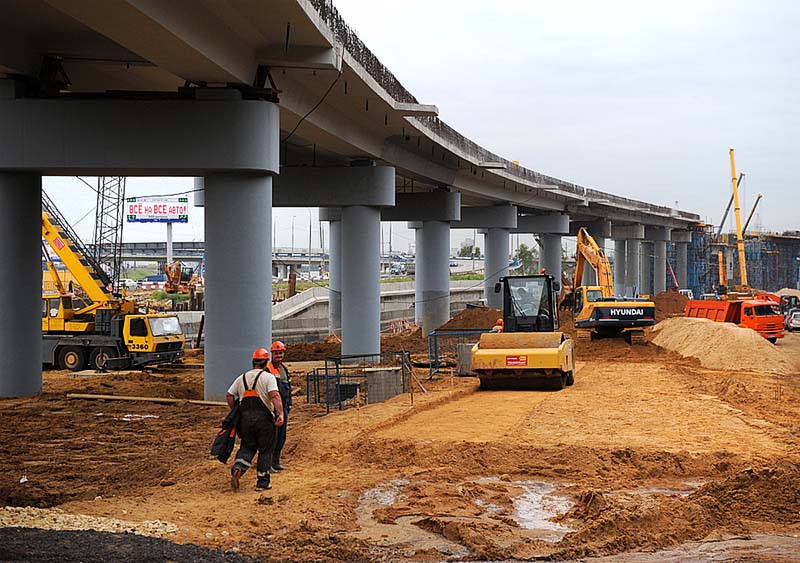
{"x":530,"y":353}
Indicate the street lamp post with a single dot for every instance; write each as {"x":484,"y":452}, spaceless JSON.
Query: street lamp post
{"x":292,"y":251}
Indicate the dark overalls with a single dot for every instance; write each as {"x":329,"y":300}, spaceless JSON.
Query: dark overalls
{"x":285,"y":390}
{"x":256,"y":430}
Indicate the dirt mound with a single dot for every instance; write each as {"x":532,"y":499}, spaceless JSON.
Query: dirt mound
{"x":669,"y":304}
{"x":722,"y":346}
{"x":473,"y":319}
{"x":766,"y":495}
{"x":312,"y":351}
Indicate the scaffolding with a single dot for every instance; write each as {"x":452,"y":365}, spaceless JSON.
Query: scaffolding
{"x":107,"y":241}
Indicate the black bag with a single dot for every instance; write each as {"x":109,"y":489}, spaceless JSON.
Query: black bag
{"x":225,"y":439}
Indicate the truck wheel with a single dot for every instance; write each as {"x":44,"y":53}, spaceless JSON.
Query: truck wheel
{"x":72,"y":358}
{"x":99,"y":357}
{"x":772,"y":340}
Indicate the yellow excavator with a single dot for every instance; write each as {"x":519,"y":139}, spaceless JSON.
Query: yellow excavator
{"x":598,"y":313}
{"x":530,"y":353}
{"x":109,"y":332}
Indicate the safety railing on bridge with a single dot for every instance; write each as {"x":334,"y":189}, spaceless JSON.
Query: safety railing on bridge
{"x":443,"y":346}
{"x":348,"y":380}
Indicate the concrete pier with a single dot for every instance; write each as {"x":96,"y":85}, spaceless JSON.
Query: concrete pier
{"x":21,"y":279}
{"x":433,"y":275}
{"x":495,"y":264}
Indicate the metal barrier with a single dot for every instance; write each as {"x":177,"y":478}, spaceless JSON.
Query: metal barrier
{"x":443,"y":346}
{"x":344,"y":380}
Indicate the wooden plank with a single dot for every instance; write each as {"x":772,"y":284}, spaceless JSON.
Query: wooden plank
{"x":164,"y":400}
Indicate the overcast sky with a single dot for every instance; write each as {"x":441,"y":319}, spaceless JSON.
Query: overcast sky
{"x":640,"y":99}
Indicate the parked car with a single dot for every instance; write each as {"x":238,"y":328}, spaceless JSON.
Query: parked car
{"x":128,"y":283}
{"x":793,"y":321}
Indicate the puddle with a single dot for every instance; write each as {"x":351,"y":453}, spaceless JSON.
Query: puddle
{"x":402,"y":531}
{"x":535,"y":508}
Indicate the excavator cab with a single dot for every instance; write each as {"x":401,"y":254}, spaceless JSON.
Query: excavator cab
{"x":530,"y":353}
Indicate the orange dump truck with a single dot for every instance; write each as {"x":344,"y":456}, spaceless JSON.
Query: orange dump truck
{"x":761,"y":313}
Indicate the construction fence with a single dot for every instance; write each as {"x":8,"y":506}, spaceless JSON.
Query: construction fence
{"x":351,"y":380}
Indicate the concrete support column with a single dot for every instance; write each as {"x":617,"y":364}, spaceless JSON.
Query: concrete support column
{"x":619,"y":266}
{"x":589,"y":275}
{"x":659,"y":266}
{"x":682,"y":263}
{"x":645,"y":255}
{"x":495,"y":264}
{"x":21,"y":280}
{"x":361,"y":270}
{"x":419,"y":259}
{"x":632,"y":267}
{"x":238,"y":302}
{"x":432,"y":302}
{"x":335,"y":278}
{"x":551,"y":255}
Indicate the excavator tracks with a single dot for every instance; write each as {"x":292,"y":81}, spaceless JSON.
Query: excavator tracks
{"x":635,"y":337}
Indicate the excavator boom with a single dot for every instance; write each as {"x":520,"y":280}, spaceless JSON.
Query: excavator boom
{"x":589,"y":252}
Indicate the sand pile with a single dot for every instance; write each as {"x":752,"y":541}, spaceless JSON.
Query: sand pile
{"x":788,"y":291}
{"x":722,"y":346}
{"x":669,"y":304}
{"x":473,"y":319}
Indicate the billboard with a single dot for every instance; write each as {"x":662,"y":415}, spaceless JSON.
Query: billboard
{"x":157,"y":209}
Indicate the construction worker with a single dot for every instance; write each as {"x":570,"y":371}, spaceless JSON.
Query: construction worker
{"x":277,"y":368}
{"x":260,"y":412}
{"x":498,"y":326}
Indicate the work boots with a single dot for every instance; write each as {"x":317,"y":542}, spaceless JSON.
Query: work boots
{"x":236,"y":473}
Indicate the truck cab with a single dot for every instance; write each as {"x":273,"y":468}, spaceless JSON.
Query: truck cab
{"x":764,"y":317}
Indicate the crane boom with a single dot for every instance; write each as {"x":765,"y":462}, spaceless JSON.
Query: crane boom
{"x":589,"y":252}
{"x":75,"y":261}
{"x":737,"y":212}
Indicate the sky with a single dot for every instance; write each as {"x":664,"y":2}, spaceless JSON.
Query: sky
{"x":640,"y":99}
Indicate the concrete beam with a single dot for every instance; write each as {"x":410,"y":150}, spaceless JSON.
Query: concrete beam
{"x":657,"y":234}
{"x":330,"y":213}
{"x":681,"y":236}
{"x":627,"y":232}
{"x":137,"y":137}
{"x":597,"y":228}
{"x":424,"y":206}
{"x":555,"y":223}
{"x":408,"y":109}
{"x":301,"y":56}
{"x":334,"y":186}
{"x":490,"y":217}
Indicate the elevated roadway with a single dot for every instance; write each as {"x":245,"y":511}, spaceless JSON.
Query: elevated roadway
{"x":270,"y":103}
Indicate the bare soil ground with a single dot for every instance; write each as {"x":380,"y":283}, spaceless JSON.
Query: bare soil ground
{"x":646,"y":452}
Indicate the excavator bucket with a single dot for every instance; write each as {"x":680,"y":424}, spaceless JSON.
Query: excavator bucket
{"x":524,"y":360}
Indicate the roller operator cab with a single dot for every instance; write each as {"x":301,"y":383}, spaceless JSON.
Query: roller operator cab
{"x":530,"y":353}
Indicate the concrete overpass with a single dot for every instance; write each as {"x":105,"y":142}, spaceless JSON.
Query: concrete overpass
{"x":273,"y":103}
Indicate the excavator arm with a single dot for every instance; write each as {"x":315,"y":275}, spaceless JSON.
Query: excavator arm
{"x":588,"y":252}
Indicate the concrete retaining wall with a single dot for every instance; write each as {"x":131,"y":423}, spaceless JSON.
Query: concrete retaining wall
{"x":304,"y":317}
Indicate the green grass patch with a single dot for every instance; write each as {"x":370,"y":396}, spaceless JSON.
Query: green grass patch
{"x":161,"y":295}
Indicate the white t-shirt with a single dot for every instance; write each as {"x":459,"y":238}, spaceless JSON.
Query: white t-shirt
{"x":266,"y":383}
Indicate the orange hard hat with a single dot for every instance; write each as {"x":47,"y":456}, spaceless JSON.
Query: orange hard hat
{"x":278,"y":345}
{"x":500,"y":321}
{"x":261,"y":354}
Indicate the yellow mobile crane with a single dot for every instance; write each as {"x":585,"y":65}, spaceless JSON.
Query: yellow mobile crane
{"x":597,"y":311}
{"x":109,"y":332}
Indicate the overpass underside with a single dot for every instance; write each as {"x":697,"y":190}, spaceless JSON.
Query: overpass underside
{"x":270,"y":104}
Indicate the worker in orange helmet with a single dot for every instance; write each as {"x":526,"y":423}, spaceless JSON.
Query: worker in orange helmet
{"x":260,"y":412}
{"x":277,"y":368}
{"x":498,"y":326}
